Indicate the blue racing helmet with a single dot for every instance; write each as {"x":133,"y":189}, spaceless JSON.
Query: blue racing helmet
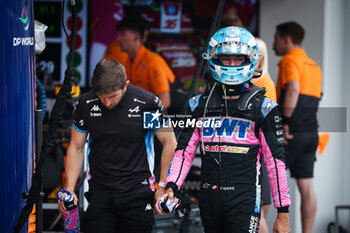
{"x":232,"y":41}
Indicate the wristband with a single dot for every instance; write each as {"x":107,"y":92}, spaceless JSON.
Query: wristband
{"x":285,"y":120}
{"x":284,"y":209}
{"x":161,"y":184}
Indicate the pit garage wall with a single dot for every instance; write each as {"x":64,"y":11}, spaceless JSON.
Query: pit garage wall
{"x":16,"y":108}
{"x":326,"y":41}
{"x":346,"y":92}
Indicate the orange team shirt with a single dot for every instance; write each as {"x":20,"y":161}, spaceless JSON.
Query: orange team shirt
{"x":266,"y":81}
{"x":296,"y":65}
{"x":148,"y":70}
{"x":113,"y":51}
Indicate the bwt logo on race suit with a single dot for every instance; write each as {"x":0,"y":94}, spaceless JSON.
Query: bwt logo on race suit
{"x":151,"y":120}
{"x":228,"y":126}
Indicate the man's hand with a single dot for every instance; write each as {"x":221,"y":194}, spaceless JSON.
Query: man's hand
{"x":281,"y":224}
{"x":61,"y":205}
{"x":287,"y":136}
{"x":169,"y":193}
{"x":159,"y":193}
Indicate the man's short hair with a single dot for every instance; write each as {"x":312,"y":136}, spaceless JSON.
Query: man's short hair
{"x":292,"y":29}
{"x":134,"y":23}
{"x":109,"y":76}
{"x":230,"y":19}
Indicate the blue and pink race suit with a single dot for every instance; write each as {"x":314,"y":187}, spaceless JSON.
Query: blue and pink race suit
{"x":232,"y":139}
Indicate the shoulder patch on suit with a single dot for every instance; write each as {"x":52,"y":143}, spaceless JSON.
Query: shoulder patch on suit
{"x":194,"y":102}
{"x":246,"y":97}
{"x":267,"y":106}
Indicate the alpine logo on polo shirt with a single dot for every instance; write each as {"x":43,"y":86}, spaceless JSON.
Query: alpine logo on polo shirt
{"x":95,"y":111}
{"x":81,"y":122}
{"x":135,"y":110}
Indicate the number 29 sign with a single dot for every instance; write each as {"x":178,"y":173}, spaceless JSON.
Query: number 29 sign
{"x":171,"y":17}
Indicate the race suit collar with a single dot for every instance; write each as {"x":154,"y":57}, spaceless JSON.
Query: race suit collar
{"x":239,"y":89}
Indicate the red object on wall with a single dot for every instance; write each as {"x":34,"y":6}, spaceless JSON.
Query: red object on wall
{"x":79,"y":23}
{"x":78,"y":41}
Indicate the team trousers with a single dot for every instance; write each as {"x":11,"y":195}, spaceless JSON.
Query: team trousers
{"x":111,"y":213}
{"x":227,"y":211}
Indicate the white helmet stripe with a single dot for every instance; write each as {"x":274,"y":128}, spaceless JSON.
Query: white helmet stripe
{"x":232,"y":39}
{"x":245,"y":72}
{"x":213,"y":42}
{"x":218,"y":70}
{"x":252,"y":42}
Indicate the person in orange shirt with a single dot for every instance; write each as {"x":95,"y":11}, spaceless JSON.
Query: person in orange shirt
{"x":299,"y":87}
{"x":144,"y":68}
{"x":114,"y":51}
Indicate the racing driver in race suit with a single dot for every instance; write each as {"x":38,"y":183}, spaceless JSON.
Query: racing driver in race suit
{"x":241,"y":125}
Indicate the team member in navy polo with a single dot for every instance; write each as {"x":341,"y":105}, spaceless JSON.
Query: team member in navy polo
{"x":121,"y":159}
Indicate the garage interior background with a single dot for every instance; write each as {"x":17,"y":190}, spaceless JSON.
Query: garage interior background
{"x":327,"y":34}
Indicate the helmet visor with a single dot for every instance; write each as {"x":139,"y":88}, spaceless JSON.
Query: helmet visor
{"x":233,"y":48}
{"x":231,"y":60}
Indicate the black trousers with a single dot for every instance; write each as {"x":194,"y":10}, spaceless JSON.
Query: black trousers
{"x":111,"y":213}
{"x":229,"y":211}
{"x":301,"y":154}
